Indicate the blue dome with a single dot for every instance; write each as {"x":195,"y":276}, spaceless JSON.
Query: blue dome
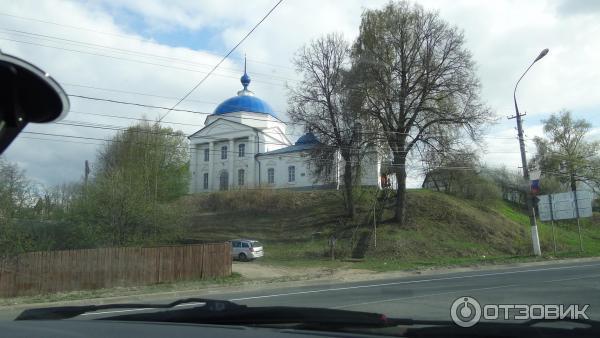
{"x":244,"y":103}
{"x":308,"y":138}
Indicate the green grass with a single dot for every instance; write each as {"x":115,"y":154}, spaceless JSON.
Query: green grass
{"x":441,"y":230}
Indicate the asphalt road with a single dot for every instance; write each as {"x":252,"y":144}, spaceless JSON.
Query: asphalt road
{"x":430,"y":297}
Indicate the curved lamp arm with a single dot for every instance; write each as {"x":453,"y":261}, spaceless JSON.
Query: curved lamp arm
{"x":539,"y":57}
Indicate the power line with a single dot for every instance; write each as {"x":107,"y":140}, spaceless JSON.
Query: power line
{"x":187,"y":149}
{"x":215,"y":138}
{"x":126,"y":51}
{"x":205,"y":113}
{"x":222,"y":60}
{"x":167,"y":108}
{"x":130,"y":60}
{"x":216,"y":103}
{"x":129,"y":52}
{"x":139,"y":53}
{"x":218,"y":151}
{"x":129,"y":37}
{"x":197,"y":125}
{"x":134,"y":104}
{"x":57,"y":140}
{"x":134,"y":119}
{"x":133,"y":93}
{"x":173,"y":109}
{"x":153,"y":95}
{"x":120,"y":128}
{"x":142,"y":94}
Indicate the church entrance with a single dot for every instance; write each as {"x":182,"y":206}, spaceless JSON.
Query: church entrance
{"x":224,"y":180}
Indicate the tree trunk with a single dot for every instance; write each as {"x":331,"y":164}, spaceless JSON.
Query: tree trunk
{"x":435,"y":183}
{"x":348,"y":187}
{"x":400,"y":208}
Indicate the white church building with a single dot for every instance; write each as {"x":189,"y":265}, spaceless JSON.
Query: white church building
{"x":244,"y":145}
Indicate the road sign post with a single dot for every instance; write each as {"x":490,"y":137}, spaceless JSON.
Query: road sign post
{"x":552,"y":220}
{"x":567,"y":205}
{"x":577,"y":217}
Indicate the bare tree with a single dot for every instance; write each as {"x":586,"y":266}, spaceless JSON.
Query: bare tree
{"x":415,"y":75}
{"x":321,"y":102}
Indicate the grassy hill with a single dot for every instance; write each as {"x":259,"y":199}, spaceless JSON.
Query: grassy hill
{"x":440,"y":230}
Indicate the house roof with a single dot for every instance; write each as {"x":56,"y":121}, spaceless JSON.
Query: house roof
{"x":289,"y":149}
{"x":221,"y":120}
{"x":304,"y":143}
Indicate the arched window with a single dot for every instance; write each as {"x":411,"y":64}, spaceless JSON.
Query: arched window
{"x":241,"y":177}
{"x":205,"y":180}
{"x":291,"y":173}
{"x":224,"y":181}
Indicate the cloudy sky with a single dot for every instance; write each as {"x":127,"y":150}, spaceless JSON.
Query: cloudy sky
{"x":153,"y":52}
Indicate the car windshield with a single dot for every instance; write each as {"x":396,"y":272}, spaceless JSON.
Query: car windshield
{"x":417,"y":159}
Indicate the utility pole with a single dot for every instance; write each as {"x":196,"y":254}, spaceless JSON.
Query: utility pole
{"x":530,"y":204}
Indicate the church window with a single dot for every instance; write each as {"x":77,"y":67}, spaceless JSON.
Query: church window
{"x":224,"y":152}
{"x":271,"y":175}
{"x":224,"y":181}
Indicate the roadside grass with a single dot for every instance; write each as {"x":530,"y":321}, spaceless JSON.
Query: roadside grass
{"x":233,"y":279}
{"x":566,"y":233}
{"x":441,"y":230}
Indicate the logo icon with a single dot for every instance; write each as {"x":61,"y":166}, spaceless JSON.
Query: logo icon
{"x":465,"y":311}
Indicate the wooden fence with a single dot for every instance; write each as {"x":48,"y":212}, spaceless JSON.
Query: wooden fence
{"x":69,"y":270}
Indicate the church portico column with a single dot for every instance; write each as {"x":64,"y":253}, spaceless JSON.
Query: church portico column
{"x":252,"y":151}
{"x":230,"y":156}
{"x":194,"y":167}
{"x":211,"y":169}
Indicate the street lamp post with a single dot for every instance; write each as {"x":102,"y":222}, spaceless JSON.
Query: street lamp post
{"x":530,"y":205}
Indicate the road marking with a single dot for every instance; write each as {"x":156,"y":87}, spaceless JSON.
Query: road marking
{"x":457,"y":291}
{"x":408,"y":282}
{"x":365,"y":286}
{"x":423,"y":296}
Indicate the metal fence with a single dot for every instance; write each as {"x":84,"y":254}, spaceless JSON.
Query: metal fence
{"x":69,"y":270}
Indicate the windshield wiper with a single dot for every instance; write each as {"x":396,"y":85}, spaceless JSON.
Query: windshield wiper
{"x":211,"y":311}
{"x":223,"y":312}
{"x":66,"y":312}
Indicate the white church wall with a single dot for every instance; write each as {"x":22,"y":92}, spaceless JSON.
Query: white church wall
{"x":280,"y":164}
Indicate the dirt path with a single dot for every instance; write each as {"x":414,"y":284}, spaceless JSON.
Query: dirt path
{"x":260,"y":272}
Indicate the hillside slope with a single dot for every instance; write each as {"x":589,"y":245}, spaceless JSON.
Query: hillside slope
{"x":441,"y":229}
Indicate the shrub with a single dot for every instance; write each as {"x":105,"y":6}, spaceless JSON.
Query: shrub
{"x":481,"y":189}
{"x":251,"y":201}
